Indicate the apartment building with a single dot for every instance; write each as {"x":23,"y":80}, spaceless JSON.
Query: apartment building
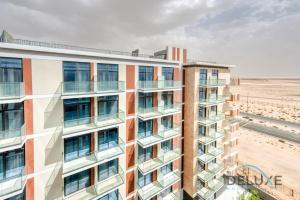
{"x":82,"y":123}
{"x":210,"y":126}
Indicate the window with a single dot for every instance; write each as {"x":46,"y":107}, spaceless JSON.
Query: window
{"x":107,"y":72}
{"x":201,"y":166}
{"x":201,"y":130}
{"x":214,"y":93}
{"x":76,"y":77}
{"x":108,"y":106}
{"x":107,"y":169}
{"x":11,"y":119}
{"x":203,"y":74}
{"x":168,"y":73}
{"x":144,"y":180}
{"x":111,"y":196}
{"x":10,"y":70}
{"x":167,"y":98}
{"x":166,"y":192}
{"x":202,"y":112}
{"x":76,"y":147}
{"x":77,"y":182}
{"x":144,"y":154}
{"x":145,"y":73}
{"x":166,"y":169}
{"x":214,"y":74}
{"x":202,"y":93}
{"x":145,"y":100}
{"x":75,"y":109}
{"x":167,"y":122}
{"x":19,"y":196}
{"x":167,"y":146}
{"x":214,"y":110}
{"x":201,"y":149}
{"x":12,"y":164}
{"x":108,"y":139}
{"x":145,"y":128}
{"x":213,"y":127}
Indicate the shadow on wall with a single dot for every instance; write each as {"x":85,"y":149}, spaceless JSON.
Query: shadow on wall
{"x":54,"y":147}
{"x":54,"y":184}
{"x":53,"y":108}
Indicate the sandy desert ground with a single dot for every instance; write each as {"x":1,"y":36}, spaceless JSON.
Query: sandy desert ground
{"x":274,"y":156}
{"x":275,"y":98}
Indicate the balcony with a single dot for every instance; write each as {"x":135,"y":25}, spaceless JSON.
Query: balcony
{"x":211,"y":154}
{"x":205,"y":193}
{"x":149,"y":191}
{"x":211,"y":137}
{"x":216,"y":184}
{"x":90,"y":124}
{"x":99,"y":189}
{"x":13,"y":137}
{"x":13,"y":186}
{"x":91,"y":88}
{"x":11,"y":92}
{"x":163,"y":134}
{"x":85,"y":162}
{"x":171,"y":196}
{"x":154,"y":112}
{"x":215,"y":168}
{"x":211,"y":100}
{"x":212,"y":119}
{"x":163,"y":85}
{"x":212,"y":83}
{"x":162,"y":159}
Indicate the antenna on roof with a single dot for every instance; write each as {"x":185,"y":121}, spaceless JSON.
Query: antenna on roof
{"x":6,"y":37}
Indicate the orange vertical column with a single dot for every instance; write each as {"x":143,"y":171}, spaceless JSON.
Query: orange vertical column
{"x":28,"y":118}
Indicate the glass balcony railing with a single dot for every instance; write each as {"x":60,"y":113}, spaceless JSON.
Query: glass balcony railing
{"x":215,"y":151}
{"x":152,"y":112}
{"x":211,"y":137}
{"x":91,"y":87}
{"x":159,"y":85}
{"x":204,"y":175}
{"x":110,"y":86}
{"x":212,"y":83}
{"x":171,"y":196}
{"x":100,"y":188}
{"x":211,"y":100}
{"x":169,"y":179}
{"x":12,"y":137}
{"x":205,"y":193}
{"x":215,"y":168}
{"x":90,"y":123}
{"x":211,"y":154}
{"x":149,"y":191}
{"x":11,"y":90}
{"x":163,"y":134}
{"x":162,"y":159}
{"x":216,"y":184}
{"x":211,"y":119}
{"x":212,"y":170}
{"x":12,"y":185}
{"x":73,"y":166}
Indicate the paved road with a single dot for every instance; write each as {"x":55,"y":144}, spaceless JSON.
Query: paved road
{"x":269,"y":119}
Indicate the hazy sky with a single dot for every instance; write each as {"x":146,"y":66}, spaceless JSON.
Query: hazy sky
{"x":261,"y":37}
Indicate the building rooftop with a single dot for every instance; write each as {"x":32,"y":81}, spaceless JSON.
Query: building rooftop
{"x":193,"y":63}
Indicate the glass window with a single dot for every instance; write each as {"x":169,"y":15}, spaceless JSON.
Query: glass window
{"x":167,"y":98}
{"x":107,"y":169}
{"x":108,"y":105}
{"x":166,"y":169}
{"x":166,"y":192}
{"x":202,"y":93}
{"x":214,"y":93}
{"x":76,"y":147}
{"x":168,"y":73}
{"x":214,"y":110}
{"x":145,"y":100}
{"x":108,"y":139}
{"x":201,"y":130}
{"x":214,"y":74}
{"x":107,"y":72}
{"x":76,"y":71}
{"x":167,"y":122}
{"x":202,"y":112}
{"x":144,"y":180}
{"x":201,"y":166}
{"x":203,"y":74}
{"x":111,"y":196}
{"x":10,"y":70}
{"x":77,"y":182}
{"x":145,"y":128}
{"x":144,"y":154}
{"x":145,"y":73}
{"x":167,"y":146}
{"x":21,"y":196}
{"x":201,"y":149}
{"x":75,"y":109}
{"x":11,"y":164}
{"x":11,"y":119}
